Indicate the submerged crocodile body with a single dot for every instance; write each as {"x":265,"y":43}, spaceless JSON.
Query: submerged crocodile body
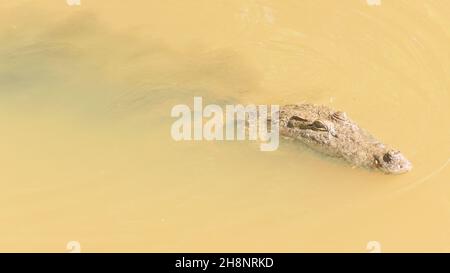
{"x":333,"y":133}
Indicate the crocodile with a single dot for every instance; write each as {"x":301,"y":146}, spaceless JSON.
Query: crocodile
{"x":334,"y":133}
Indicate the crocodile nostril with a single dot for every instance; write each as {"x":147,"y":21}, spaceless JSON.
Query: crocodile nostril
{"x":387,"y":157}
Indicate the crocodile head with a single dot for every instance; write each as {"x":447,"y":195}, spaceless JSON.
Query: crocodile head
{"x":333,"y":133}
{"x":392,"y":162}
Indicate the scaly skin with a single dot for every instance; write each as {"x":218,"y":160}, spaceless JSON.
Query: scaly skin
{"x":333,"y":133}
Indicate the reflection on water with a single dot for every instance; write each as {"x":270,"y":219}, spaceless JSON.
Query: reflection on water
{"x":86,"y":93}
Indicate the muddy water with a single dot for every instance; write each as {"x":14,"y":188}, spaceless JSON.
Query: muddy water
{"x":87,"y":156}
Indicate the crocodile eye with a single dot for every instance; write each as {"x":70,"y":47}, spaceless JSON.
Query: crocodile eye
{"x":319,"y":126}
{"x":294,"y":121}
{"x":297,"y":118}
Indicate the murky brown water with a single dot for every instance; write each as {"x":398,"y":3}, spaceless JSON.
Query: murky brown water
{"x":86,"y":152}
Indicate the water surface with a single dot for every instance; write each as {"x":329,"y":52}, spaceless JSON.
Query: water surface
{"x":86,"y":153}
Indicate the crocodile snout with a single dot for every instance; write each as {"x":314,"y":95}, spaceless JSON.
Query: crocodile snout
{"x":393,"y":162}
